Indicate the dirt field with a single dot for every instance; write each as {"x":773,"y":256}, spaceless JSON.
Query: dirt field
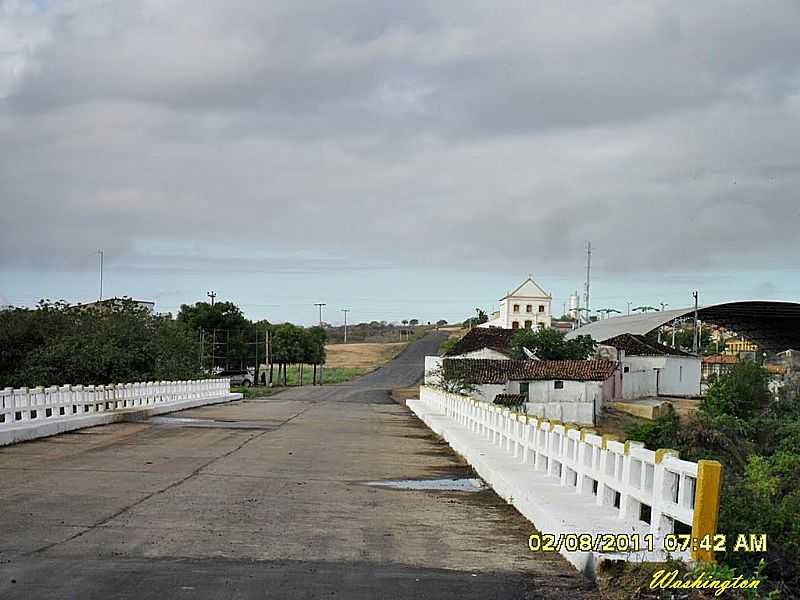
{"x":362,"y":355}
{"x":456,"y":331}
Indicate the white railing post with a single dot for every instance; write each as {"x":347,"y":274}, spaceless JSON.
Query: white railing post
{"x":659,"y":523}
{"x":6,"y":406}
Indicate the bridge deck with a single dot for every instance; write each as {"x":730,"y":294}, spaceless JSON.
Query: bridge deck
{"x":263,"y":497}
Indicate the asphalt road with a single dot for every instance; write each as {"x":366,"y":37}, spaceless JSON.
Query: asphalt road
{"x":267,"y":498}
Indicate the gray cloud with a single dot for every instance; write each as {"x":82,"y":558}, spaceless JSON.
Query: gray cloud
{"x":452,"y":133}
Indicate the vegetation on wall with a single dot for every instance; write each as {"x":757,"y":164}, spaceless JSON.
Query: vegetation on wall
{"x":453,"y":381}
{"x":551,"y":344}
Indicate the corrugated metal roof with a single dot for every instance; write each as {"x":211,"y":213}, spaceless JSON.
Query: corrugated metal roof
{"x":774,"y":326}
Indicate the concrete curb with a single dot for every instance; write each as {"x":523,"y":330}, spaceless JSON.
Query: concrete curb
{"x":53,"y":426}
{"x":552,"y":508}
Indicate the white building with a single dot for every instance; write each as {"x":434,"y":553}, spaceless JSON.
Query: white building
{"x":650,"y":369}
{"x":528,"y":306}
{"x":571,"y":391}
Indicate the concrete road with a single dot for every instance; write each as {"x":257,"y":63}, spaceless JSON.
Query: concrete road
{"x":267,"y":498}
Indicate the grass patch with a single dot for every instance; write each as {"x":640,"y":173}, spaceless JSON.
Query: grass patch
{"x":253,"y":391}
{"x":330,"y":375}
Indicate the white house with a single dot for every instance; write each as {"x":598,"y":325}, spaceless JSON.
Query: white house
{"x":528,"y":306}
{"x":650,"y":369}
{"x":567,"y":390}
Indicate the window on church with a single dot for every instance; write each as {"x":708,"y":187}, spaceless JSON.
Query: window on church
{"x":529,"y":308}
{"x":558,"y":385}
{"x":540,"y":326}
{"x":528,"y":324}
{"x":541,"y":308}
{"x":516,"y":308}
{"x":515,"y":325}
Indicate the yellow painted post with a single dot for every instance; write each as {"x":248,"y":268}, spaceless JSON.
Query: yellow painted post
{"x":607,"y":437}
{"x":662,"y":453}
{"x":706,"y":506}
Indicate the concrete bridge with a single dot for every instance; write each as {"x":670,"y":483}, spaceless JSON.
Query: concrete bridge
{"x":265,"y":498}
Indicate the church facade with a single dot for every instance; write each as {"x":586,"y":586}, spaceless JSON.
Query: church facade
{"x":526,"y":307}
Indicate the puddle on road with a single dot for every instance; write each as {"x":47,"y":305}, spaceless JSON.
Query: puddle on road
{"x":194,"y":422}
{"x":468,"y":484}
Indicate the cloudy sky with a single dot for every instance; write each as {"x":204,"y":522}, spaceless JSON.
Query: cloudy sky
{"x":401,"y":159}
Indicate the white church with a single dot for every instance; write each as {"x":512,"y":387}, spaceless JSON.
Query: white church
{"x":526,"y":307}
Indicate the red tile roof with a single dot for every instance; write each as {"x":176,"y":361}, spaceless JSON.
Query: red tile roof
{"x":482,"y":371}
{"x":720,"y":359}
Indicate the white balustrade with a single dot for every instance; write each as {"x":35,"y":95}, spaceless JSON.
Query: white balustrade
{"x":23,"y":406}
{"x":651,"y":486}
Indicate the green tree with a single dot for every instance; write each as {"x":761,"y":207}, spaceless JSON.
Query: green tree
{"x":481,"y":318}
{"x":740,"y":394}
{"x":757,"y":439}
{"x":222,"y":315}
{"x":551,"y":344}
{"x":94,"y":346}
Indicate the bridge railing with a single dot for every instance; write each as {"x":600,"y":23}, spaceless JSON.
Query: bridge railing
{"x":656,"y":487}
{"x":22,"y":406}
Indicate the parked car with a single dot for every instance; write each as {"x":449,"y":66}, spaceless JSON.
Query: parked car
{"x":238,"y":377}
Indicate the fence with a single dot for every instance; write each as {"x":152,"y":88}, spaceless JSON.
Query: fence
{"x":645,"y":487}
{"x":30,"y":406}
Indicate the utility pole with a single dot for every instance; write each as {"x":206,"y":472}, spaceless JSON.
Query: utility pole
{"x":255,"y":372}
{"x":663,"y":306}
{"x":695,"y":337}
{"x":588,"y":278}
{"x":320,"y":305}
{"x":212,"y":295}
{"x":345,"y":311}
{"x":266,"y":350}
{"x":629,"y":308}
{"x":100,"y":252}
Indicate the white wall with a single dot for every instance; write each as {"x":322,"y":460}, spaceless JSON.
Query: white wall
{"x":508,"y":315}
{"x":488,"y":391}
{"x":680,"y":376}
{"x":661,"y":375}
{"x":577,"y":402}
{"x":432,"y":363}
{"x":483,"y":353}
{"x":580,"y":413}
